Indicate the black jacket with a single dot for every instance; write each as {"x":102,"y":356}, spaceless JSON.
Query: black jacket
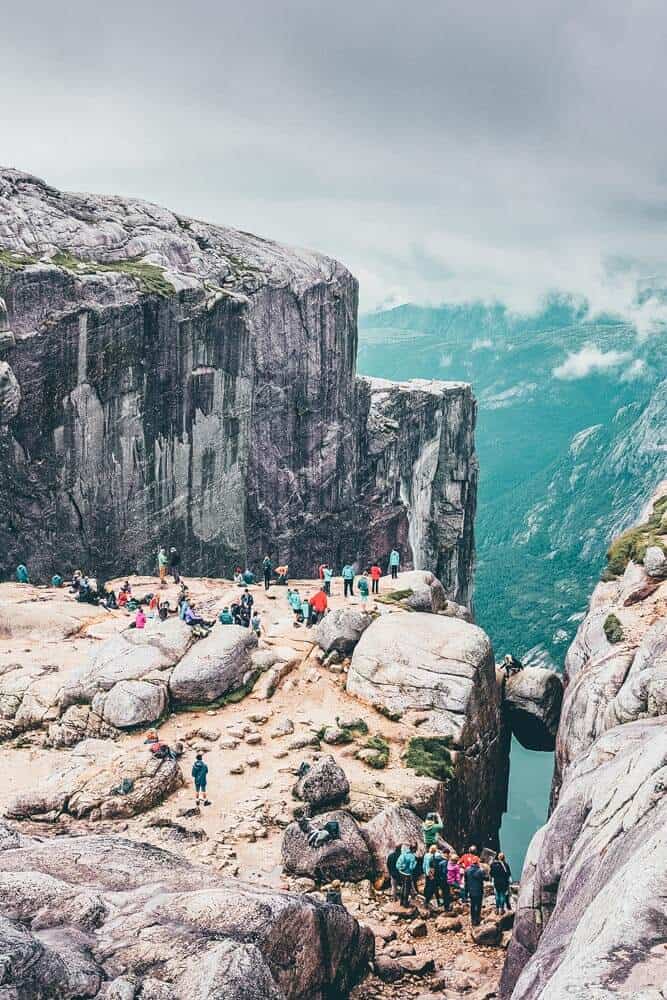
{"x":501,"y":875}
{"x":474,"y":879}
{"x":391,"y":863}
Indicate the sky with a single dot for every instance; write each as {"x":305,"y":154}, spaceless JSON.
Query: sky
{"x":443,"y":151}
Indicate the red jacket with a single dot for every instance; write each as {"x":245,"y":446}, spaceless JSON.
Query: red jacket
{"x":468,"y":859}
{"x":319,"y":602}
{"x":376,"y":572}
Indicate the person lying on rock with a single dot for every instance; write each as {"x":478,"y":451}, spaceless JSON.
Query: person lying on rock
{"x":501,"y":876}
{"x":474,"y":882}
{"x":199,"y":776}
{"x":318,"y":836}
{"x":158,"y":748}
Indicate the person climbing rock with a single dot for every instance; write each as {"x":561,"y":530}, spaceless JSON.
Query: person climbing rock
{"x":501,"y":876}
{"x":474,"y":882}
{"x":348,"y":579}
{"x":162,"y":563}
{"x":511,"y":665}
{"x":394,"y":563}
{"x":406,"y":866}
{"x":376,"y":574}
{"x":200,"y":775}
{"x":432,"y":827}
{"x":174,"y":564}
{"x":318,"y":605}
{"x":267,"y":570}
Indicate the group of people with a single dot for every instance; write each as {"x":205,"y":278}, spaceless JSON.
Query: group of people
{"x":243,"y":613}
{"x":441,"y":875}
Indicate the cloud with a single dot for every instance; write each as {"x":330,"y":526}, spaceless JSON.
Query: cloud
{"x":482,"y":344}
{"x":590,"y":360}
{"x":638,"y":369}
{"x":445,"y":152}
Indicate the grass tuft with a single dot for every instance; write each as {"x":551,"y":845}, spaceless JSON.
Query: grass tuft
{"x":633,"y":543}
{"x":380,"y":758}
{"x":613,"y":629}
{"x":149,"y":277}
{"x":429,"y":757}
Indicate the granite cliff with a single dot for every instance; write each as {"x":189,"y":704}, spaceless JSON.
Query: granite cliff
{"x":592,"y":910}
{"x":166,"y":380}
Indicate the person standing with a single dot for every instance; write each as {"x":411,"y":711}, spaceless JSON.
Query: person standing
{"x":348,"y":579}
{"x":394,"y":563}
{"x":432,"y":827}
{"x":442,"y":879}
{"x":501,"y":876}
{"x":162,"y":563}
{"x":454,"y":876}
{"x":199,"y":776}
{"x":406,"y":867}
{"x":474,"y":882}
{"x":394,"y":876}
{"x":247,"y":600}
{"x":267,"y":570}
{"x":469,"y":858}
{"x":376,"y":573}
{"x":328,"y":577}
{"x":174,"y":564}
{"x":362,"y":587}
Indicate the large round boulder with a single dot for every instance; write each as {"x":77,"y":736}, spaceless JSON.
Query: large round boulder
{"x":323,"y":784}
{"x":131,"y":703}
{"x":213,"y":666}
{"x":393,"y":826}
{"x":346,"y":857}
{"x":655,"y":562}
{"x":342,"y":629}
{"x":533,"y":699}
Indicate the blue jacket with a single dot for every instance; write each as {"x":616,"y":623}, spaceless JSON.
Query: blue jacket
{"x":407,"y":863}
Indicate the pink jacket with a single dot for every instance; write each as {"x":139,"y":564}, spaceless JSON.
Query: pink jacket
{"x":140,"y":619}
{"x":453,"y":874}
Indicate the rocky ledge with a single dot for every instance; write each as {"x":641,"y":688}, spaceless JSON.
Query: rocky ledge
{"x":162,"y":378}
{"x":592,"y":910}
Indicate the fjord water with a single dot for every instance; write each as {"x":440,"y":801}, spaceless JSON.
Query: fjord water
{"x":569,"y":452}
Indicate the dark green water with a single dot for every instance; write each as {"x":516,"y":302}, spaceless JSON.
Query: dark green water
{"x":563,"y":464}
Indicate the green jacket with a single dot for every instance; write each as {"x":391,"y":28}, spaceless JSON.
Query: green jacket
{"x":162,"y":559}
{"x":226,"y":618}
{"x":430,"y":831}
{"x":294,"y":599}
{"x":362,"y":586}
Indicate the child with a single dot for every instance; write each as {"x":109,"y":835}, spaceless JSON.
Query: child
{"x":362,"y":587}
{"x":199,"y":773}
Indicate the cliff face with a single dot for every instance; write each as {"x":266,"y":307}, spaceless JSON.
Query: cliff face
{"x":167,"y":381}
{"x":592,"y":908}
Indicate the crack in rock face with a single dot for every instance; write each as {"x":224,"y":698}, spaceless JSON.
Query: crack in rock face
{"x":10,"y":393}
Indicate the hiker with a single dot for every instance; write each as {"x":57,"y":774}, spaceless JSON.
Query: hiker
{"x":256,"y":624}
{"x":454,"y":874}
{"x":394,"y":876}
{"x":294,"y":601}
{"x":174,"y":564}
{"x":474,"y":882}
{"x":328,"y":577}
{"x":123,"y":598}
{"x":162,"y":563}
{"x":192,"y":618}
{"x":432,"y":827}
{"x":199,"y":773}
{"x":22,"y":574}
{"x":318,"y":605}
{"x":225,"y":617}
{"x":282,"y":575}
{"x":75,"y":581}
{"x":376,"y":573}
{"x":501,"y":876}
{"x":238,"y":577}
{"x":305,"y":610}
{"x":511,"y":665}
{"x":140,"y":618}
{"x":442,"y":879}
{"x":235,"y":612}
{"x":163,"y":611}
{"x":406,"y":866}
{"x":362,"y":587}
{"x":267,"y":570}
{"x":247,"y":600}
{"x":320,"y":570}
{"x":110,"y":602}
{"x":157,"y":748}
{"x":394,"y":563}
{"x":333,"y":894}
{"x":348,"y":580}
{"x":429,"y":868}
{"x":468,"y":858}
{"x":182,"y":607}
{"x":248,"y":577}
{"x":56,"y":581}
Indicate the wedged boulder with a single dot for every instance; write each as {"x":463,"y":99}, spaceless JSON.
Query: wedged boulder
{"x":592,"y":907}
{"x":417,"y":590}
{"x":341,"y":629}
{"x":131,"y":703}
{"x":121,"y":785}
{"x":213,"y":666}
{"x":347,"y":858}
{"x":177,"y":940}
{"x":129,"y":656}
{"x":393,"y":826}
{"x":323,"y":784}
{"x":532,"y":702}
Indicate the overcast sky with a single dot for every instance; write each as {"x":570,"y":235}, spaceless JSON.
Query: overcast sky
{"x":443,"y":151}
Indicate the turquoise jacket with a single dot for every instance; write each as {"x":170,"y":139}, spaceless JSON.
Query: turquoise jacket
{"x":22,"y":574}
{"x":294,"y":599}
{"x":394,"y":558}
{"x":362,"y":586}
{"x":348,"y":572}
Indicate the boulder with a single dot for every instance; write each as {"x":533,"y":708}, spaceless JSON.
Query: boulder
{"x":346,"y":858}
{"x":131,"y":703}
{"x":487,"y":933}
{"x":417,"y":590}
{"x":394,"y":825}
{"x":213,"y":666}
{"x":532,"y":702}
{"x":176,"y":941}
{"x":340,"y":630}
{"x":655,"y":562}
{"x":441,"y":671}
{"x":323,"y":784}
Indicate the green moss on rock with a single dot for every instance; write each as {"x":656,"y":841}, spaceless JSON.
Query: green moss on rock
{"x":375,"y":752}
{"x":633,"y":543}
{"x":430,"y":757}
{"x":613,"y":629}
{"x":149,"y":277}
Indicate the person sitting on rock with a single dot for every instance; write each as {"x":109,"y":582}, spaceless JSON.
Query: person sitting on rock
{"x":140,"y":618}
{"x":110,"y":601}
{"x":248,"y":577}
{"x":163,"y":611}
{"x":282,"y":575}
{"x":225,"y":617}
{"x":333,"y":894}
{"x":511,"y":665}
{"x":199,"y":775}
{"x":238,"y":577}
{"x":192,"y":618}
{"x":501,"y":876}
{"x":406,"y":866}
{"x":318,"y":605}
{"x":22,"y":573}
{"x":75,"y":582}
{"x":56,"y":581}
{"x":474,"y":882}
